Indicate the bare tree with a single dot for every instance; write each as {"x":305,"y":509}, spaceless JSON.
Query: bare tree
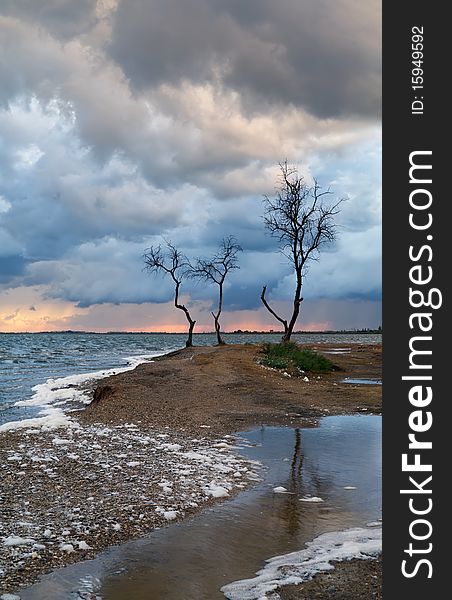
{"x":215,"y":270}
{"x":300,"y":219}
{"x":173,"y":263}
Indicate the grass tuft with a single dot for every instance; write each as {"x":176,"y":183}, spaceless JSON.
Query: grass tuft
{"x":289,"y":355}
{"x":274,"y":362}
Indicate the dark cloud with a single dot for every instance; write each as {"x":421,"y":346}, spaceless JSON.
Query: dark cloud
{"x":323,"y":55}
{"x":84,"y":229}
{"x":344,"y":313}
{"x":63,"y":18}
{"x":54,"y":197}
{"x":110,"y":271}
{"x":11,"y":267}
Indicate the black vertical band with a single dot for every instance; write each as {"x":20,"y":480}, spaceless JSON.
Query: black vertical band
{"x":416,"y":250}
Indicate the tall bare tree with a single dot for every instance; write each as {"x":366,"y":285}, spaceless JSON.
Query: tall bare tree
{"x":215,"y":270}
{"x":302,"y":221}
{"x":173,"y":263}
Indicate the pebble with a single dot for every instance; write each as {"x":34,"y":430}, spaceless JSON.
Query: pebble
{"x":77,"y":507}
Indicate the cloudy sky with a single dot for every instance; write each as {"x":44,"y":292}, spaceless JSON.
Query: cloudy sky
{"x":122,"y":121}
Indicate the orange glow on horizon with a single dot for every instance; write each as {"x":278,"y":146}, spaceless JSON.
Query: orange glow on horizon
{"x":230,"y":326}
{"x":28,"y":310}
{"x":19,"y":325}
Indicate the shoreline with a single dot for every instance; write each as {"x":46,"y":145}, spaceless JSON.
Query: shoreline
{"x":355,"y":579}
{"x":219,"y":391}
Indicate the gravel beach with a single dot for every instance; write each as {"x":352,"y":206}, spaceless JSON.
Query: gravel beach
{"x":66,"y":494}
{"x":350,"y":580}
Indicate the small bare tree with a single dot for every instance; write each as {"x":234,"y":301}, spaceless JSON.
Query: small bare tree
{"x":300,"y":219}
{"x":173,"y":263}
{"x":215,"y":270}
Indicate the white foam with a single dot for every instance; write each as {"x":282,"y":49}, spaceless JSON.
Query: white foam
{"x":82,"y":545}
{"x":170,"y":515}
{"x":296,"y":567}
{"x":311,"y":499}
{"x":15,"y":540}
{"x":56,"y":390}
{"x":171,"y":447}
{"x":53,"y":419}
{"x":62,"y":392}
{"x":216,"y":491}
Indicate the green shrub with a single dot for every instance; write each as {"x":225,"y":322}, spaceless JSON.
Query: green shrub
{"x":307,"y":360}
{"x":285,"y":349}
{"x":290,"y":355}
{"x":275,"y":362}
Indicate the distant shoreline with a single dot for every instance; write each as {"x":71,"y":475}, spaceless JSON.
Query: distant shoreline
{"x":235,"y":332}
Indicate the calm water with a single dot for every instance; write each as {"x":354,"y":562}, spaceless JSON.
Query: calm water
{"x":30,"y":359}
{"x":192,"y":560}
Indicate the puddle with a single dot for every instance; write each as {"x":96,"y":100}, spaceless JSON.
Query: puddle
{"x":338,"y":462}
{"x":362,"y":381}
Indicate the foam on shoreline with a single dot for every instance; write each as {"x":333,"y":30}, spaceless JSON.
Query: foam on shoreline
{"x":296,"y":567}
{"x":57,"y":397}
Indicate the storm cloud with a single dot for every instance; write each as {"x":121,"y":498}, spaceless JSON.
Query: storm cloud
{"x":125,"y":122}
{"x":323,"y":56}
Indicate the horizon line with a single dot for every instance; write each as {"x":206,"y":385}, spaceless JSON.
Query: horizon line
{"x":234,"y":332}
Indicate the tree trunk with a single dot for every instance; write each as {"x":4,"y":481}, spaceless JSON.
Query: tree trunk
{"x":296,"y":310}
{"x":220,"y":340}
{"x":189,"y":342}
{"x":288,"y":333}
{"x":216,"y":317}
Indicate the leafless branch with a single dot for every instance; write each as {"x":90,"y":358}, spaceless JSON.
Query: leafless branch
{"x":215,"y":270}
{"x":174,"y":263}
{"x":302,"y":221}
